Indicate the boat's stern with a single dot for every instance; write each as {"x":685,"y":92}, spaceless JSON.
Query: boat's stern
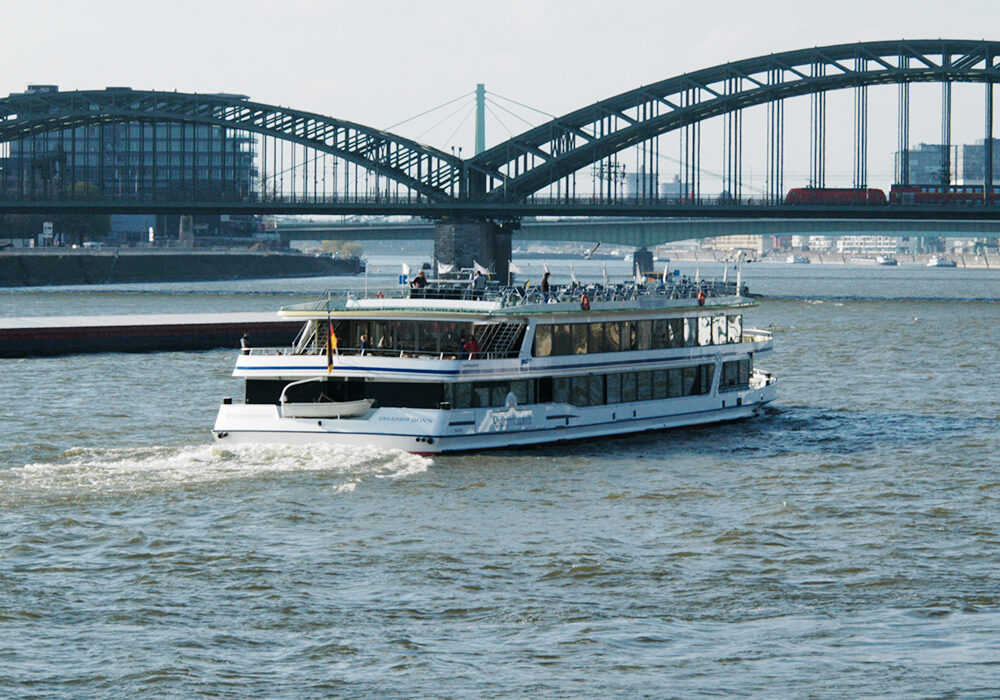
{"x":411,"y":430}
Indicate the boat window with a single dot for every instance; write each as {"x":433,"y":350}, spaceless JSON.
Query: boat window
{"x":705,"y":372}
{"x":645,"y":335}
{"x":520,"y":391}
{"x":612,"y":336}
{"x":614,"y":384}
{"x":543,"y":341}
{"x":675,"y":383}
{"x":450,"y":332}
{"x":735,"y":329}
{"x":384,"y":334}
{"x":644,"y":386}
{"x":560,"y":389}
{"x":545,"y":390}
{"x":595,"y":343}
{"x":427,"y":337}
{"x":480,"y":394}
{"x":629,"y":341}
{"x":628,"y":387}
{"x":660,"y":384}
{"x":499,"y":393}
{"x":580,"y":391}
{"x":661,"y":333}
{"x":561,"y":339}
{"x":462,"y":395}
{"x":690,"y":332}
{"x":596,"y":389}
{"x":360,"y":328}
{"x":406,"y":336}
{"x":735,"y":375}
{"x":579,"y":332}
{"x":705,"y":330}
{"x":719,"y":335}
{"x":689,"y":377}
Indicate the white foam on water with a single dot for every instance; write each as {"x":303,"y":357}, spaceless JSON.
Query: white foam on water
{"x":144,"y":468}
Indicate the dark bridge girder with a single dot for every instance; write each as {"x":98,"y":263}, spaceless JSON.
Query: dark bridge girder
{"x":427,"y":171}
{"x":542,"y":156}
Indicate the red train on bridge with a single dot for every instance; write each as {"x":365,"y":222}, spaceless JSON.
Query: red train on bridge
{"x":834,"y":195}
{"x":898,"y":194}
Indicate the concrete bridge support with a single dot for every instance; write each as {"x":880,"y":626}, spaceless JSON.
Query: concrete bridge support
{"x":460,"y":242}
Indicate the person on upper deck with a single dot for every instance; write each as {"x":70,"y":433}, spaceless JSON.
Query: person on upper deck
{"x":363,"y":343}
{"x":471,"y":346}
{"x":545,"y":286}
{"x":420,"y":281}
{"x":478,"y":285}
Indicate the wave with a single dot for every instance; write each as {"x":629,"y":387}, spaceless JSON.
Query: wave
{"x":85,"y":469}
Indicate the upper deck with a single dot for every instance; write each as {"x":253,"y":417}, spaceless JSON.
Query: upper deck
{"x":445,"y":300}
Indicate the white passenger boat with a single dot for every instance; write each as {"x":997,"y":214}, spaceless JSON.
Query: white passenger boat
{"x":886,"y":260}
{"x":938,"y":261}
{"x":797,"y":260}
{"x":401,"y":372}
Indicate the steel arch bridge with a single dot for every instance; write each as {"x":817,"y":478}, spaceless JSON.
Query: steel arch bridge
{"x":507,"y":180}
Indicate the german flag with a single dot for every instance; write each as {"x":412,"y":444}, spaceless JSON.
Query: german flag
{"x":331,"y":346}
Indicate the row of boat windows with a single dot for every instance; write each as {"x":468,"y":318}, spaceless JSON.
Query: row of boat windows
{"x":586,"y":389}
{"x":578,"y":390}
{"x":602,"y":389}
{"x":405,"y":336}
{"x":622,"y":336}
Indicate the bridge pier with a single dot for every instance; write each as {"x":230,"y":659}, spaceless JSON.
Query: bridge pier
{"x":461,"y":242}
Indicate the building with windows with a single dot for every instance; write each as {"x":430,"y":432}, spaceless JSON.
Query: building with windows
{"x":134,"y":160}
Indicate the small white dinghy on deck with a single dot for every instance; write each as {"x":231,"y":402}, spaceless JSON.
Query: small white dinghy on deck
{"x":322,"y":408}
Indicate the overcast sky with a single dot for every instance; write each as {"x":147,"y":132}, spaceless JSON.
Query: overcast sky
{"x":382,"y":62}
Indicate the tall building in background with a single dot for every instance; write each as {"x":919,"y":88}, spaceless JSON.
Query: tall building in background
{"x":970,"y":162}
{"x":927,"y":165}
{"x":135,"y":160}
{"x":967,"y":164}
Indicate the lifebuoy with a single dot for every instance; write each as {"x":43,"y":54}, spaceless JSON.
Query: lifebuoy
{"x":701,"y":298}
{"x":585,"y":302}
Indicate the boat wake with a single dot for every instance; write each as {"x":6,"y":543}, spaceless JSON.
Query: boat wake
{"x":156,"y":467}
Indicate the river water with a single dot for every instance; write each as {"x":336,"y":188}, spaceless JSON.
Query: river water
{"x":844,"y":544}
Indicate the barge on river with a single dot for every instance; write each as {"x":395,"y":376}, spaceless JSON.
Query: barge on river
{"x":403,"y":371}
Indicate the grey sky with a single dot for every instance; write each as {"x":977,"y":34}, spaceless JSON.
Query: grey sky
{"x":381,"y":62}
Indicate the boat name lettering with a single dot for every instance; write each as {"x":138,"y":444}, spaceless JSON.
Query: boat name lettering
{"x":509,"y":419}
{"x":404,"y":419}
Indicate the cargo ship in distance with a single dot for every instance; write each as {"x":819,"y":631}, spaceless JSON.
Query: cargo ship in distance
{"x":453,"y":367}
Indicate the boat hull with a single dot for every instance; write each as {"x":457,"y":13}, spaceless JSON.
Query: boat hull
{"x":434,"y":432}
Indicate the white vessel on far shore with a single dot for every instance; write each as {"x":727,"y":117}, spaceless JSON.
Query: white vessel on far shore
{"x":453,"y":368}
{"x":797,"y":260}
{"x":939,"y":261}
{"x":886,"y":260}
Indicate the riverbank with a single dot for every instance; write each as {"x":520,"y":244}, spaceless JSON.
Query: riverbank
{"x":62,"y":266}
{"x":982,"y":262}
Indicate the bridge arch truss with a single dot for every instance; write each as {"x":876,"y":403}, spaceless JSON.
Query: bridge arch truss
{"x":427,"y":173}
{"x":545,"y":155}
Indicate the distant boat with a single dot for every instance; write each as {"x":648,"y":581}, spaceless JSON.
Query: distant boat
{"x":797,"y":260}
{"x":887,"y":260}
{"x":937,"y":261}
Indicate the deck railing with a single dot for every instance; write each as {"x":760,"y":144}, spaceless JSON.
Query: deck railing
{"x":525,"y":295}
{"x":382,"y":352}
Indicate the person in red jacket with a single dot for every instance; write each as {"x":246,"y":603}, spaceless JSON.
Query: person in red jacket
{"x":471,"y":346}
